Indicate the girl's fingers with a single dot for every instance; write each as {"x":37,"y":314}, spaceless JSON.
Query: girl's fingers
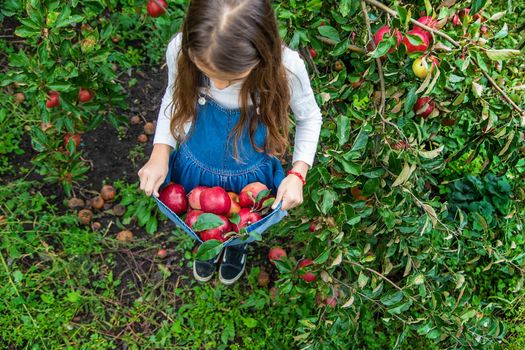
{"x":157,"y":186}
{"x":141,"y":178}
{"x":148,"y":186}
{"x":279,"y":197}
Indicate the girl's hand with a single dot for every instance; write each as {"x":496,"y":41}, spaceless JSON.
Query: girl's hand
{"x":290,"y":191}
{"x":154,"y":172}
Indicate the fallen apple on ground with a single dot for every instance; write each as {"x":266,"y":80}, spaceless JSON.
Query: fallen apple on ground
{"x":156,"y":8}
{"x":424,"y":106}
{"x":307,"y":276}
{"x":108,"y":192}
{"x":276,"y":253}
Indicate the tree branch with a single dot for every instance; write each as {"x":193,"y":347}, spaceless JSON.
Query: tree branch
{"x":378,"y":61}
{"x":351,"y":47}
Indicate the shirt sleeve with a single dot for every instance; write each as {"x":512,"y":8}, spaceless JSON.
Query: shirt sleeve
{"x":162,"y":131}
{"x":304,"y":106}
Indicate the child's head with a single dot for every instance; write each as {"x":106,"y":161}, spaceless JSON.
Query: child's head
{"x":234,"y":41}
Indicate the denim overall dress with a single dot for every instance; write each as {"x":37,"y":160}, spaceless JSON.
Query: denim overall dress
{"x":206,"y":158}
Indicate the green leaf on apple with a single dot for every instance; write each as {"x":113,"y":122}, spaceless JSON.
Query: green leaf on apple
{"x":207,"y":221}
{"x":414,"y":39}
{"x":381,"y":49}
{"x":262,"y":194}
{"x":256,"y":235}
{"x":268,"y":202}
{"x":235,"y":218}
{"x":208,"y":250}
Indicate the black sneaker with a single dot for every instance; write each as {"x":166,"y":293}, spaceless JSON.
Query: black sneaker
{"x":232,"y":264}
{"x":203,"y":269}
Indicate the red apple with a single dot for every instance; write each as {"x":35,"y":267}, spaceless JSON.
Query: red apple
{"x":194,"y":197}
{"x":248,"y":217}
{"x":84,"y":95}
{"x":174,"y":196}
{"x":464,"y":12}
{"x":378,"y":36}
{"x":331,"y":301}
{"x":192,"y":217}
{"x":276,"y":253}
{"x":312,"y":227}
{"x":428,"y":21}
{"x":419,"y":48}
{"x":218,"y":232}
{"x":249,"y":194}
{"x":307,"y":276}
{"x":53,"y":99}
{"x":235,"y":208}
{"x":448,"y":121}
{"x":313,"y":53}
{"x":424,"y":106}
{"x":455,"y":20}
{"x":75,"y":137}
{"x":215,"y":200}
{"x":154,"y":9}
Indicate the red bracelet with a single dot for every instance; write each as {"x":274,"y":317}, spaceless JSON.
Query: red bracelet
{"x":298,"y":175}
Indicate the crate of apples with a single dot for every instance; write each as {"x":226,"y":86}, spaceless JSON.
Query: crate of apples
{"x":212,"y":213}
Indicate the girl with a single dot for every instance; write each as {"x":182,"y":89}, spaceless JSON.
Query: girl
{"x":230,"y":83}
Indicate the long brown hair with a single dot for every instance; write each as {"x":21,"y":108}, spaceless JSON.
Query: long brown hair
{"x":233,"y":36}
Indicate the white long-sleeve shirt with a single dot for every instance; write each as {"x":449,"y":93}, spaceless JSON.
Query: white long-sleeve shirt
{"x":302,"y":102}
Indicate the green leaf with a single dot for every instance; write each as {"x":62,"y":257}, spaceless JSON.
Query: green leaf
{"x":343,"y":129}
{"x":381,"y":49}
{"x":504,"y":54}
{"x":151,"y":225}
{"x":476,"y":6}
{"x":261,"y":195}
{"x":351,"y":168}
{"x":344,"y":7}
{"x":25,"y":32}
{"x":250,"y":322}
{"x":481,"y":62}
{"x":360,"y":141}
{"x":323,"y":257}
{"x":73,"y":297}
{"x":340,"y":48}
{"x":329,"y":32}
{"x":392,"y":297}
{"x":362,"y":280}
{"x":401,"y":308}
{"x":207,"y":221}
{"x":504,"y":31}
{"x":329,"y":197}
{"x":428,"y":7}
{"x":209,"y":249}
{"x":414,"y":39}
{"x":235,"y":218}
{"x":403,"y":14}
{"x":411,"y":99}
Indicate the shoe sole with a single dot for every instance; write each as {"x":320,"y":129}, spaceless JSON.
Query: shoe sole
{"x":199,"y":278}
{"x":232,"y":281}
